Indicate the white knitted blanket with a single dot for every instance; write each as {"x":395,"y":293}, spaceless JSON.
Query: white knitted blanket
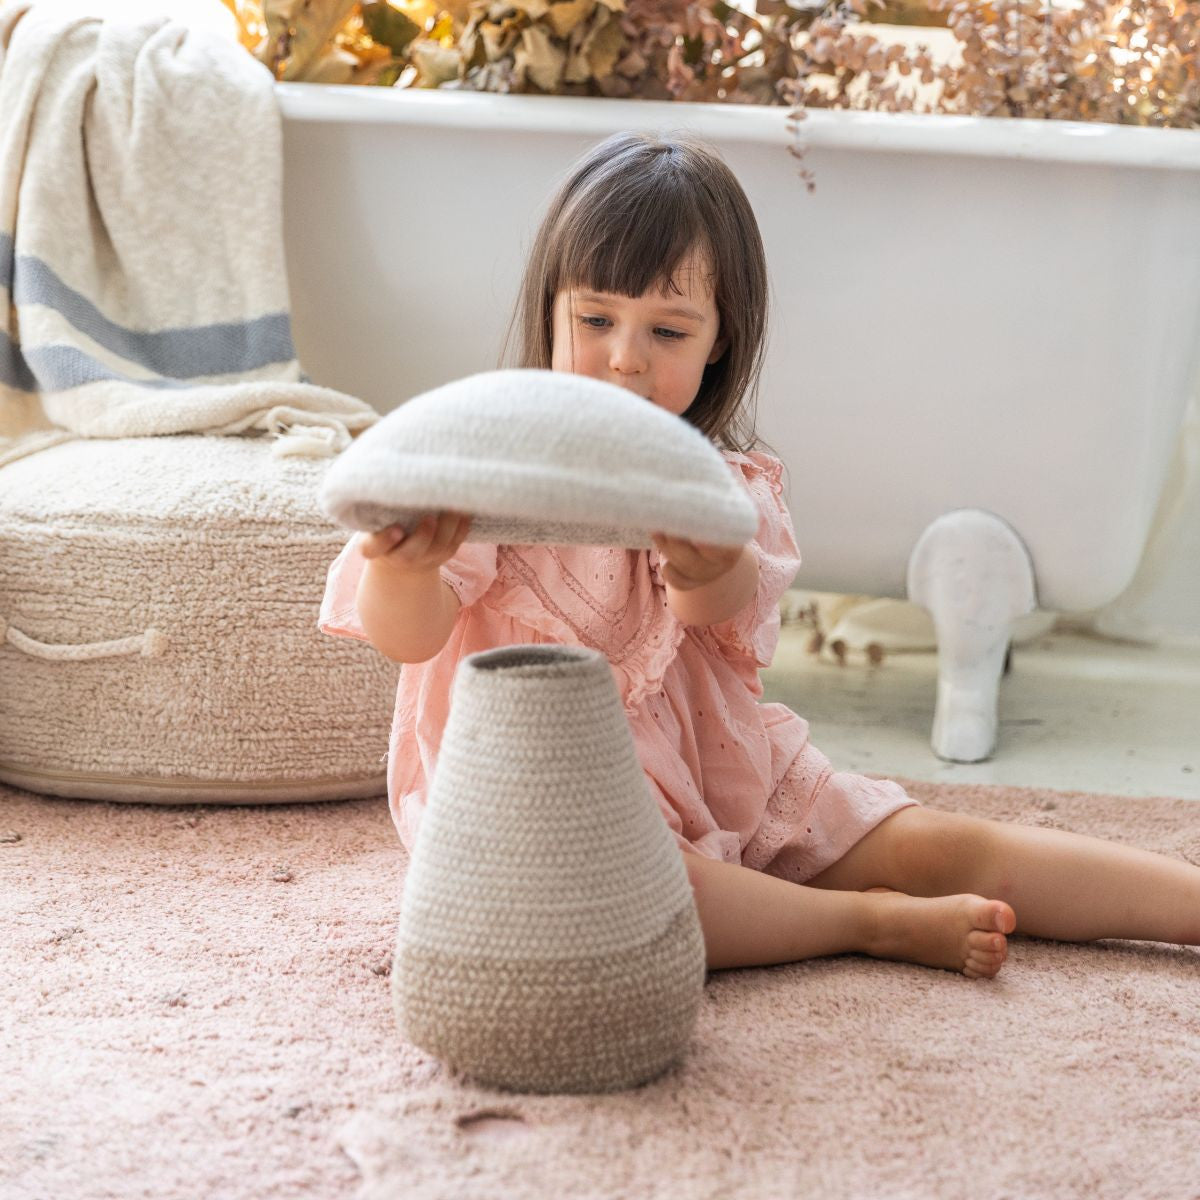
{"x":142,"y":281}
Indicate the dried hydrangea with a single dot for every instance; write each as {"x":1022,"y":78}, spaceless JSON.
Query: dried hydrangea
{"x":1086,"y":60}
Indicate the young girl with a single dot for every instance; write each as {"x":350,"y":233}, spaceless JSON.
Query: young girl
{"x":648,"y":272}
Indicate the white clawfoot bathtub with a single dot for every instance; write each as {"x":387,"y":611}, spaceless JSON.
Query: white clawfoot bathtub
{"x":998,"y":319}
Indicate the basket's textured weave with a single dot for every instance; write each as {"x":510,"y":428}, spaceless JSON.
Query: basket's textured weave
{"x":548,"y":938}
{"x":158,"y":628}
{"x":540,"y":456}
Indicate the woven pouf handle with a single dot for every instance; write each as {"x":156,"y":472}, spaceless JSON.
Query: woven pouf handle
{"x":548,"y":938}
{"x":151,"y":644}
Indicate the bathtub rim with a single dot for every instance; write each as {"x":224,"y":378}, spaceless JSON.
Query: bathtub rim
{"x":1087,"y":143}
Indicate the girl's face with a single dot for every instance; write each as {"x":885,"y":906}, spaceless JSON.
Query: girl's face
{"x":655,"y":344}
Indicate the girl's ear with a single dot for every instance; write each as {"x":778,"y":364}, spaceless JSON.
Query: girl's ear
{"x":719,"y":348}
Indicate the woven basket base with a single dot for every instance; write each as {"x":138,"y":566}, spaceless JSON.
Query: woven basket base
{"x":592,"y":1024}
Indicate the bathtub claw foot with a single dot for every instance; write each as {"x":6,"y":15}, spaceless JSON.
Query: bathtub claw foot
{"x":974,"y":575}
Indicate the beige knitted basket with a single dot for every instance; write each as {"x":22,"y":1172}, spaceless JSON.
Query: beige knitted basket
{"x":548,"y":939}
{"x":158,"y":628}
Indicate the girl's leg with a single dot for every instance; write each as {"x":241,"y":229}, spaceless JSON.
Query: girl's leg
{"x":753,"y":919}
{"x":1061,"y":885}
{"x":1078,"y":888}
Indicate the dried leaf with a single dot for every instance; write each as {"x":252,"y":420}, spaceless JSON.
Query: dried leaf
{"x":631,"y":65}
{"x":605,"y":43}
{"x":435,"y":63}
{"x":567,"y":14}
{"x":499,"y":40}
{"x":533,"y":9}
{"x":298,"y":31}
{"x":538,"y":59}
{"x":388,"y":26}
{"x":334,"y":66}
{"x":251,"y":26}
{"x":420,"y":12}
{"x":615,"y":86}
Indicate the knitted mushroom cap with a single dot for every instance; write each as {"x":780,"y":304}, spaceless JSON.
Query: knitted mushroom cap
{"x":540,"y":456}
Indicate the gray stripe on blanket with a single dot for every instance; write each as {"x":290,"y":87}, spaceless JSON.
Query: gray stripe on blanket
{"x":57,"y":368}
{"x":219,"y":349}
{"x":14,"y":370}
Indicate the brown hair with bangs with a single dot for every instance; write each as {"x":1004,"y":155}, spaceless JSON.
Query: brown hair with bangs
{"x":627,"y":217}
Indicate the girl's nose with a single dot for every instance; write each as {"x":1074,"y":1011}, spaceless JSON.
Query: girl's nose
{"x":626,"y":356}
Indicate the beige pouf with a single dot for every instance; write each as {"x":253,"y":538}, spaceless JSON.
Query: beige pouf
{"x":548,"y":938}
{"x":158,"y":638}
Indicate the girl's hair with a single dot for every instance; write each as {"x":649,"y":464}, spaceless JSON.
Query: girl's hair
{"x":626,"y":218}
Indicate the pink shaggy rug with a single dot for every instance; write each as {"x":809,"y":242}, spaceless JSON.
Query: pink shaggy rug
{"x":194,"y":1004}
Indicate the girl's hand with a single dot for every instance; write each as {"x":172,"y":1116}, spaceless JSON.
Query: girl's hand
{"x":435,"y":539}
{"x":688,"y":565}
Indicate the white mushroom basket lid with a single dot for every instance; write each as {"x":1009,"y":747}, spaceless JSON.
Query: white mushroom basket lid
{"x":540,"y":456}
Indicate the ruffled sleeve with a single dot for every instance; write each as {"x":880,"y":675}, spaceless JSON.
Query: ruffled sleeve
{"x":751,"y":635}
{"x":339,"y":612}
{"x":470,"y":573}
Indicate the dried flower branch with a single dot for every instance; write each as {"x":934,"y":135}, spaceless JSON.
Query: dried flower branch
{"x":1085,"y":60}
{"x":1136,"y":62}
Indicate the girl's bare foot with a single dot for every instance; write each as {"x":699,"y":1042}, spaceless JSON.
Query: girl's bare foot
{"x":958,"y":933}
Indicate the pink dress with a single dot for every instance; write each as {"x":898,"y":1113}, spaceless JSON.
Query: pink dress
{"x":735,"y":779}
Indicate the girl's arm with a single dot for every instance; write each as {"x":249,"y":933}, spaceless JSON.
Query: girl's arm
{"x":706,"y":584}
{"x":406,"y":609}
{"x":407,"y":616}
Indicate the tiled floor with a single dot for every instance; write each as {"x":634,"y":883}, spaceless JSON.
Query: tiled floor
{"x":1076,"y":713}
